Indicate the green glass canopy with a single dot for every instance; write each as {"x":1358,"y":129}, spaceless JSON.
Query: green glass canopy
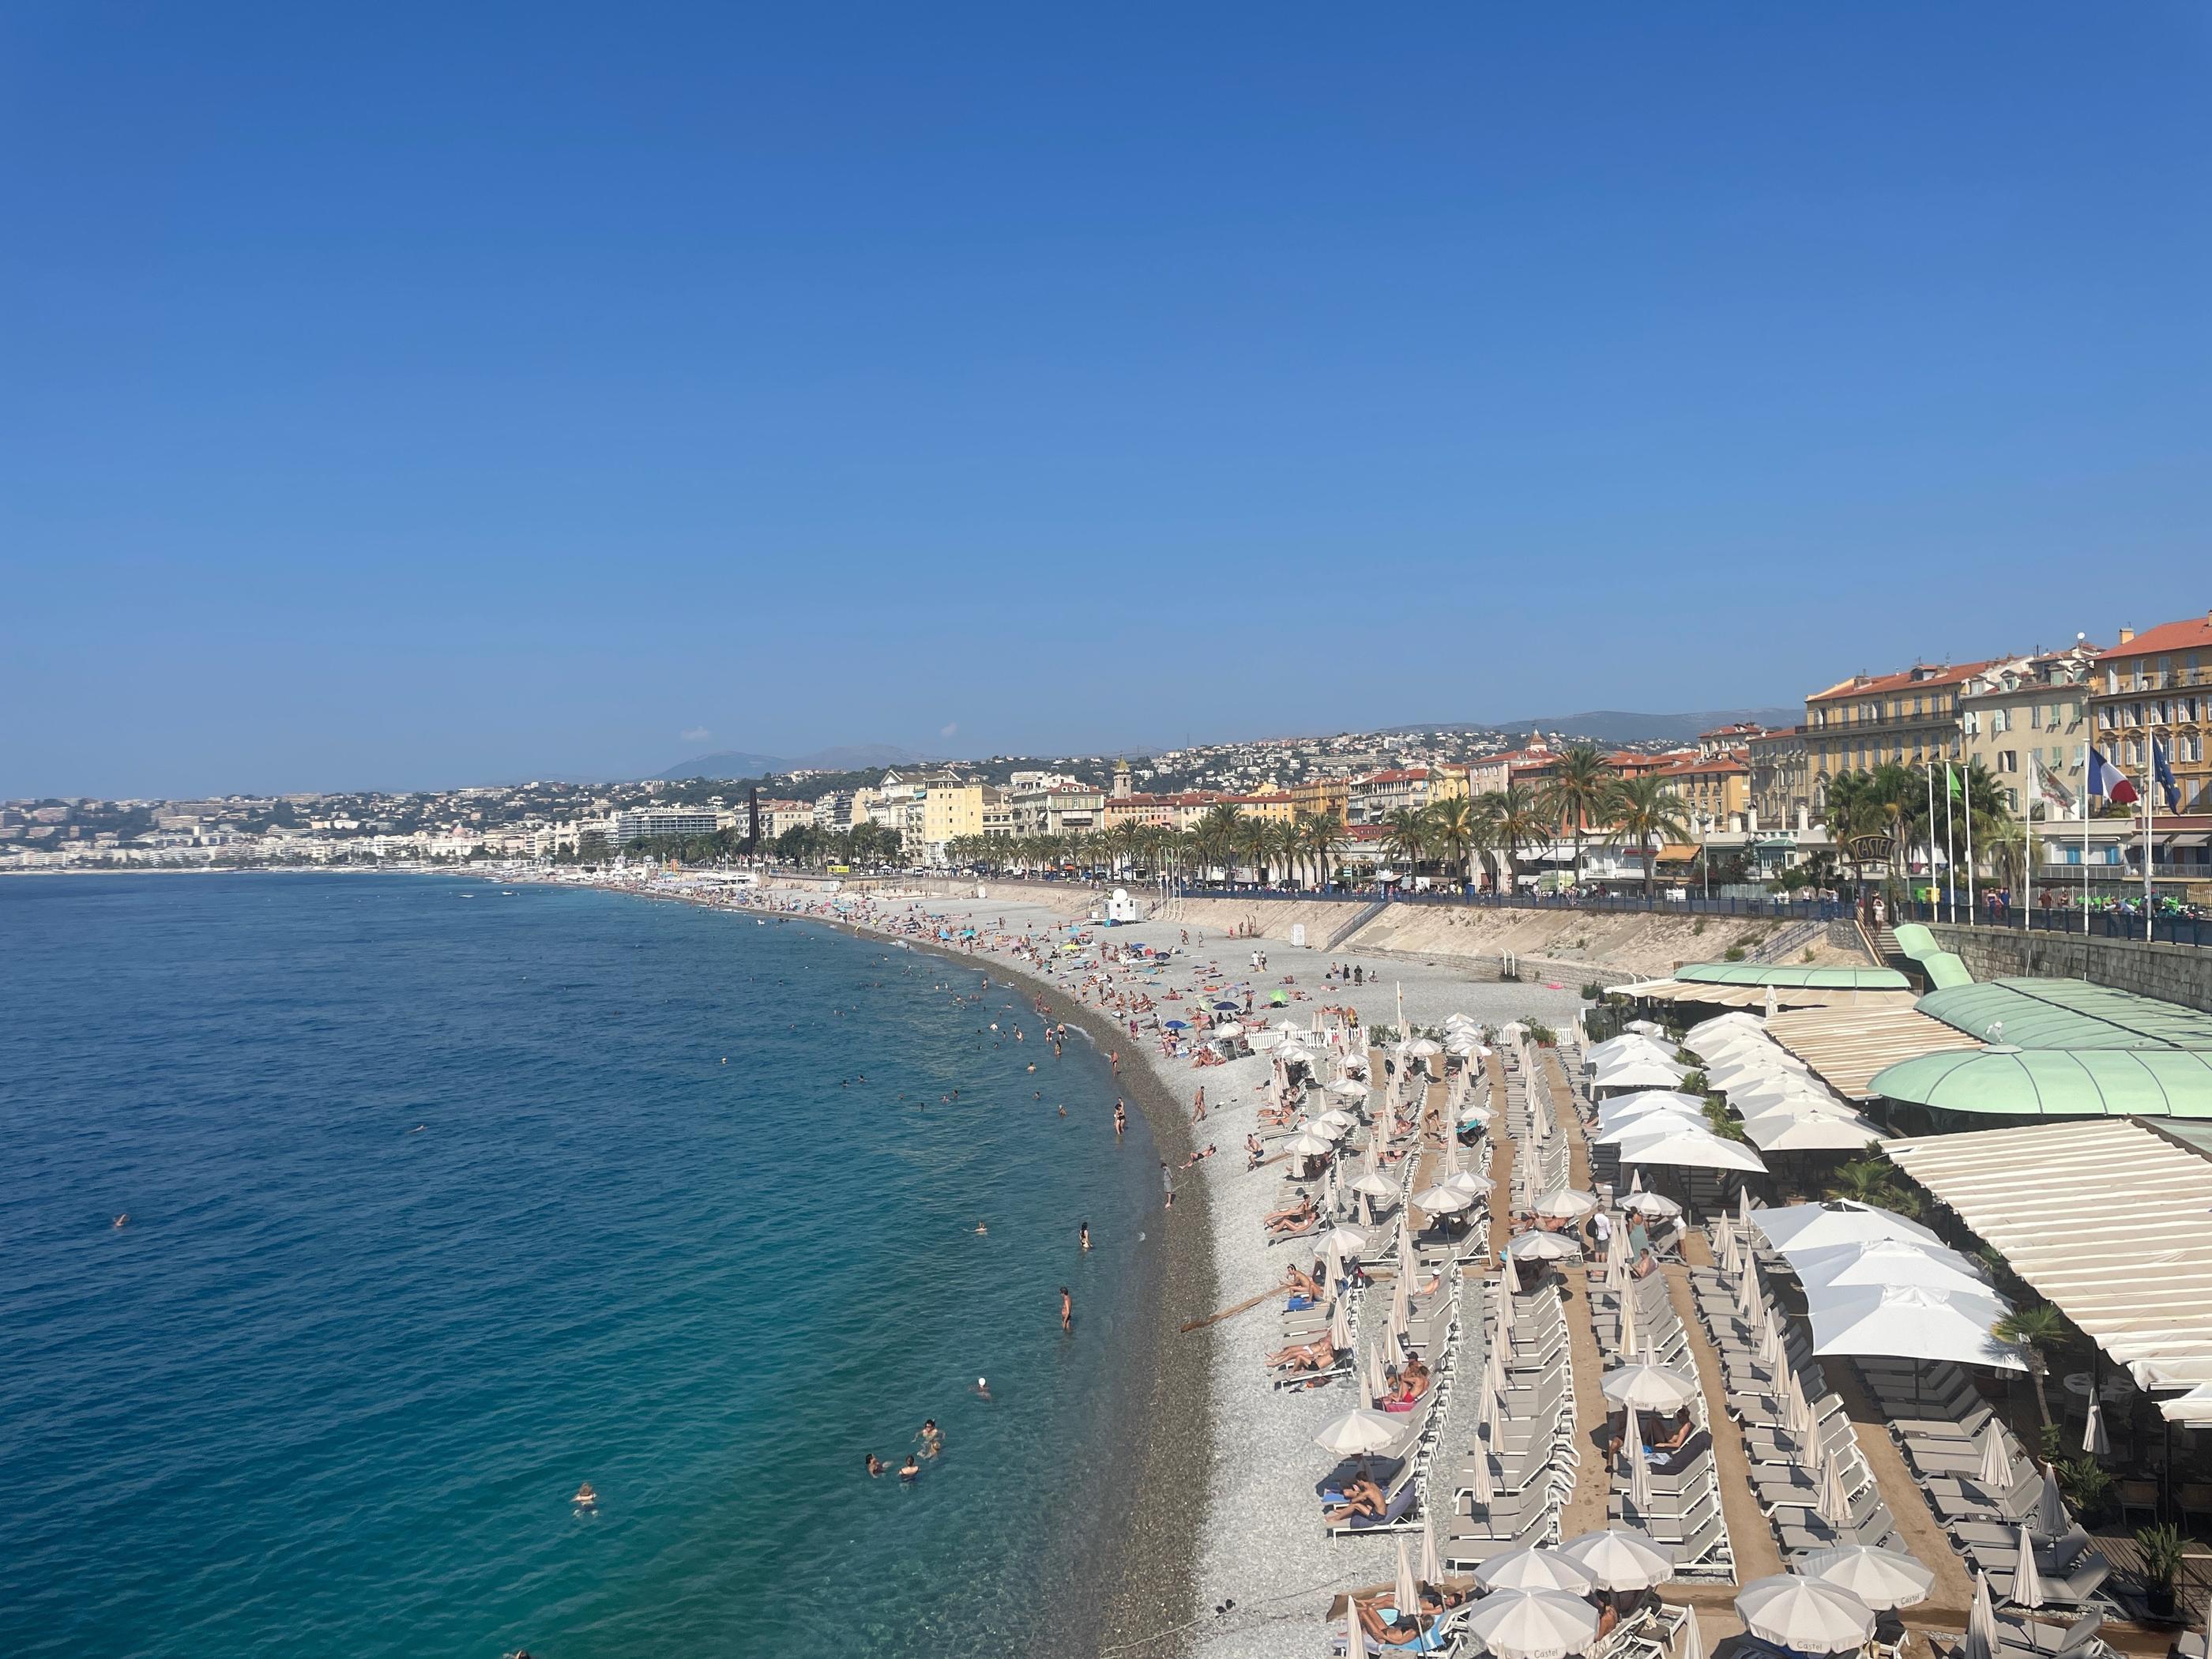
{"x":1784,"y":974}
{"x":2067,"y":1013}
{"x":2056,"y":1082}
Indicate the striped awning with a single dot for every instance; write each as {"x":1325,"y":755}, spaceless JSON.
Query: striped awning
{"x":1847,"y":1046}
{"x":2109,"y":1220}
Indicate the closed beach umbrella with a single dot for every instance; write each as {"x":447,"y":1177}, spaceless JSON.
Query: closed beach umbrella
{"x":1835,"y":1506}
{"x":2026,"y":1582}
{"x":1534,"y":1569}
{"x":1432,"y":1571}
{"x":1628,"y":1330}
{"x":2093,"y":1438}
{"x":1995,"y":1470}
{"x":1692,"y":1643}
{"x":1355,"y":1633}
{"x":1639,"y":1468}
{"x":1747,"y":1299}
{"x":1340,"y":1327}
{"x":1511,"y":1275}
{"x":1358,"y":1433}
{"x":1809,"y":1615}
{"x":1648,"y":1387}
{"x":1983,"y":1639}
{"x":1620,"y":1558}
{"x":1882,"y":1578}
{"x":1408,"y":1595}
{"x":1376,"y":1387}
{"x":1533,"y":1624}
{"x":2050,"y":1518}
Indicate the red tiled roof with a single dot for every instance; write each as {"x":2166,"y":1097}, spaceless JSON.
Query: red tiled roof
{"x":1909,"y":680}
{"x":2191,"y":634}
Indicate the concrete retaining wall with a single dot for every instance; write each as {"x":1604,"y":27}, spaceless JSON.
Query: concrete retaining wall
{"x":2172,"y":973}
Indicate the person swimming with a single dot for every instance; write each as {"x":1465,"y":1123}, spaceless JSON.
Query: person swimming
{"x":585,"y":1498}
{"x":909,"y":1471}
{"x":875,"y":1465}
{"x":982,"y":1388}
{"x":980,"y":1229}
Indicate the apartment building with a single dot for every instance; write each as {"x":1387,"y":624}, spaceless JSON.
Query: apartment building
{"x":1781,"y":778}
{"x":1909,"y":717}
{"x":2031,"y":711}
{"x":1319,"y":797}
{"x":2158,"y":685}
{"x":1061,"y":809}
{"x":651,"y":823}
{"x":1713,"y":788}
{"x":1374,"y":798}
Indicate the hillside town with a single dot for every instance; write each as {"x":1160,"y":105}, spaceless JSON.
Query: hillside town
{"x":1745,"y":807}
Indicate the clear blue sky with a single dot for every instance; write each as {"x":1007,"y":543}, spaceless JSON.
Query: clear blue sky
{"x":421,"y":394}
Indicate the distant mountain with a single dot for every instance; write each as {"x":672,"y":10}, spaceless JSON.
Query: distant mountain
{"x":742,"y":763}
{"x":1623,"y":726}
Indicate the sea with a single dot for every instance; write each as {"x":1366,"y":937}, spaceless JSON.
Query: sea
{"x":445,"y":1197}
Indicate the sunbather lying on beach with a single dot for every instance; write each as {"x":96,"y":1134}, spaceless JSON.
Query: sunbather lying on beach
{"x":1300,"y":1214}
{"x":1401,"y":1629}
{"x":1316,"y":1356}
{"x":1303,"y":1284}
{"x":1363,"y":1499}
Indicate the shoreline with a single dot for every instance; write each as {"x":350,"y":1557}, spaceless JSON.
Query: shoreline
{"x":1164,"y":1407}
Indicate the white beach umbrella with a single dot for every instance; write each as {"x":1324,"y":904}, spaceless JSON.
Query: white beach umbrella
{"x":2094,"y":1441}
{"x":1640,"y":1074}
{"x":1510,"y":1275}
{"x":1533,"y":1624}
{"x":1442,"y":1201}
{"x":1808,"y":1615}
{"x":1620,"y":1108}
{"x":1648,"y":1387}
{"x":1374,"y":1184}
{"x":1651,"y":1204}
{"x":1407,"y":1594}
{"x":1691,"y":1147}
{"x":1466,"y":1180}
{"x":1888,"y":1262}
{"x":1882,"y":1578}
{"x":1534,"y":1568}
{"x":1786,"y":1131}
{"x":1359,"y":1433}
{"x":1542,"y":1247}
{"x":1813,"y":1226}
{"x":1908,"y":1322}
{"x":1350,"y":1088}
{"x":1329,"y":1130}
{"x":1308,"y":1144}
{"x":1645,"y":1126}
{"x":1337,"y":1118}
{"x":1982,"y":1638}
{"x":1355,"y":1633}
{"x":1565,"y":1204}
{"x":1348,"y":1239}
{"x":1621,"y":1559}
{"x":1432,"y":1571}
{"x":1639,"y":1469}
{"x":2026,"y":1581}
{"x":1634,"y":1046}
{"x":1422,"y":1048}
{"x":1692,"y":1643}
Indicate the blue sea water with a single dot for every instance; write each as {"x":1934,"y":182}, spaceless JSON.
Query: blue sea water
{"x":330,"y":1389}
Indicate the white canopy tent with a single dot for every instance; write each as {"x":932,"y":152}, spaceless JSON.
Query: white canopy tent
{"x":1810,"y":1226}
{"x":1910,"y":1322}
{"x":1691,"y":1146}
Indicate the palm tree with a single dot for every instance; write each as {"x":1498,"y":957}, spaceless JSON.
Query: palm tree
{"x":1318,"y":833}
{"x":1406,"y":835}
{"x":2038,"y":1330}
{"x":1872,"y":1180}
{"x":1645,"y":812}
{"x":1452,"y":832}
{"x":1518,"y":822}
{"x":1575,"y":796}
{"x":1216,"y":837}
{"x":1254,"y":840}
{"x":1123,"y":842}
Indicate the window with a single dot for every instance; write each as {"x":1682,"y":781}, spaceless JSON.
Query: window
{"x":2034,"y":718}
{"x":2111,"y":682}
{"x":2007,"y":759}
{"x":1972,"y":721}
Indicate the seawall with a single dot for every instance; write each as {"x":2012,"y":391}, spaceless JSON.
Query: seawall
{"x":2172,"y":973}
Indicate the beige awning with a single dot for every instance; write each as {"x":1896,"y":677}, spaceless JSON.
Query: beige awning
{"x":2107,"y":1219}
{"x":1847,"y":1046}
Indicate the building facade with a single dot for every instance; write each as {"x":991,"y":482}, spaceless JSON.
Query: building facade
{"x":2026,"y":721}
{"x":651,"y":823}
{"x":1911,"y":718}
{"x":2157,"y":686}
{"x":1781,"y":782}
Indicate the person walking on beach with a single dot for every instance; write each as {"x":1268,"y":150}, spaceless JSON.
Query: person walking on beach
{"x":1066,"y":1310}
{"x":1166,"y":1182}
{"x":1121,"y":1119}
{"x":1198,"y":1106}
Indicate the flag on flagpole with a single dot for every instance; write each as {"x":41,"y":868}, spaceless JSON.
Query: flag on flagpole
{"x":2164,"y":774}
{"x":2056,"y":795}
{"x":2108,"y":781}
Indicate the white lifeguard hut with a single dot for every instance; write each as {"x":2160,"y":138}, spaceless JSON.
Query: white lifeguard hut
{"x":1121,"y":907}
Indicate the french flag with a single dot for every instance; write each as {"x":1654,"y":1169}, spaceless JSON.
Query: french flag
{"x":2108,"y":781}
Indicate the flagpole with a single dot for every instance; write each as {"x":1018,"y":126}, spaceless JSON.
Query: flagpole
{"x":1967,"y":811}
{"x":1950,"y":864}
{"x":1932,"y":909}
{"x":2088,"y":793}
{"x":2150,"y":800}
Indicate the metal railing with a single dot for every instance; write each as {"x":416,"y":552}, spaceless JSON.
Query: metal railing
{"x":1769,"y":908}
{"x":2114,"y":922}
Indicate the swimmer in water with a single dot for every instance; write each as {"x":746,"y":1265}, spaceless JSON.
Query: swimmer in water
{"x":982,"y":1389}
{"x":585,"y":1498}
{"x":124,"y":1216}
{"x":1083,"y":1233}
{"x":909,"y":1471}
{"x":875,"y":1465}
{"x":980,"y":1229}
{"x":418,"y":1128}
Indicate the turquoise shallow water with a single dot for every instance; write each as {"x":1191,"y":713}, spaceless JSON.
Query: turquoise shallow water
{"x":332,"y":1387}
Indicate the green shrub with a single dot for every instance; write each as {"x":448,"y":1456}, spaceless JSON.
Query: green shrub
{"x":1734,"y":953}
